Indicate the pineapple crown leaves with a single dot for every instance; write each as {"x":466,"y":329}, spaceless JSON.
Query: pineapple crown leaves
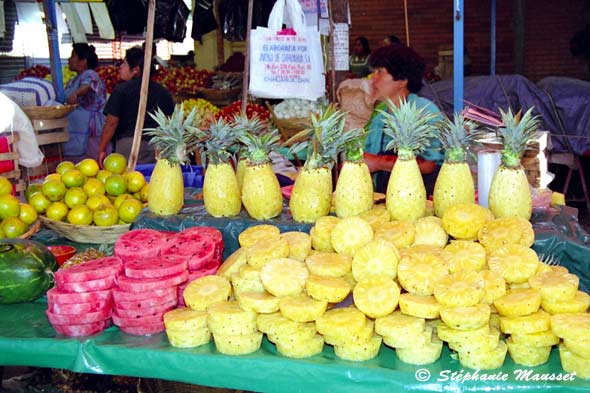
{"x":517,"y":131}
{"x":257,"y":147}
{"x":410,"y":128}
{"x":241,"y":124}
{"x":174,"y":138}
{"x":218,"y":142}
{"x":456,"y":136}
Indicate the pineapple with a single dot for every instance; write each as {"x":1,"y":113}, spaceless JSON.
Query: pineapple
{"x":429,"y":232}
{"x":350,"y":235}
{"x":400,"y":233}
{"x":509,"y":230}
{"x":464,"y":255}
{"x":400,"y":330}
{"x":261,"y":192}
{"x":302,"y":308}
{"x":257,"y":233}
{"x":517,"y":302}
{"x":378,"y":257}
{"x":424,"y":353}
{"x":174,"y":139}
{"x":361,"y":336}
{"x":228,"y":318}
{"x":454,"y":183}
{"x":494,"y":286}
{"x":421,"y":306}
{"x":321,"y":233}
{"x":233,"y":263}
{"x":241,"y":125}
{"x":237,"y":344}
{"x":419,"y":275}
{"x":341,"y":322}
{"x":555,"y":286}
{"x":465,"y":318}
{"x":329,"y":289}
{"x":510,"y":194}
{"x":185,"y":319}
{"x":299,"y":244}
{"x":359,"y":352}
{"x":539,"y":339}
{"x":376,"y":217}
{"x":328,"y":264}
{"x":478,"y":344}
{"x":298,"y":348}
{"x":572,"y":363}
{"x":532,"y":323}
{"x":571,"y":326}
{"x":284,"y":276}
{"x":204,"y":291}
{"x":221,"y":193}
{"x":264,"y":250}
{"x":460,"y":289}
{"x":577,"y":347}
{"x":463,"y":221}
{"x":376,"y":296}
{"x":526,"y":355}
{"x":579,"y":303}
{"x":410,"y":129}
{"x":515,"y":263}
{"x":188,"y":339}
{"x":259,"y":302}
{"x":484,"y":360}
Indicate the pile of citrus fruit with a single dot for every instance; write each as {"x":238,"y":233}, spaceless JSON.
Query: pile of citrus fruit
{"x":84,"y":194}
{"x":15,"y":217}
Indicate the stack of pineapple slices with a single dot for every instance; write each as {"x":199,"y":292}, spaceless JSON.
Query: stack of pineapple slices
{"x":485,"y":293}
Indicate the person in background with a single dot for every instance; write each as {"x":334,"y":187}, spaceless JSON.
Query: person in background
{"x":397,"y":75}
{"x":359,"y":62}
{"x":122,"y":107}
{"x":87,"y":90}
{"x":391,"y":39}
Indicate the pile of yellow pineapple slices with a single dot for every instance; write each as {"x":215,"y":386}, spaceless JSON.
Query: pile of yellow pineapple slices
{"x":485,"y":293}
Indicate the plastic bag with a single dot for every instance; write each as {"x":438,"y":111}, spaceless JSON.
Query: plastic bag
{"x":233,"y":14}
{"x":170,"y":20}
{"x":203,"y":19}
{"x":129,"y":16}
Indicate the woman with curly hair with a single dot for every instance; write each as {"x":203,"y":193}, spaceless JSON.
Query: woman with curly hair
{"x":397,"y":75}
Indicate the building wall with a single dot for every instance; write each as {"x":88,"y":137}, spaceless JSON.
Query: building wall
{"x":549,"y":25}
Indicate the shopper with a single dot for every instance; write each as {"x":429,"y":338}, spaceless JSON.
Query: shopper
{"x":122,"y":107}
{"x":359,"y":62}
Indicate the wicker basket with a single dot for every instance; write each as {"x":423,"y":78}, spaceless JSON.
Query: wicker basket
{"x":290,"y":127}
{"x":48,"y":112}
{"x":32,"y":230}
{"x":218,"y":94}
{"x":86,"y":233}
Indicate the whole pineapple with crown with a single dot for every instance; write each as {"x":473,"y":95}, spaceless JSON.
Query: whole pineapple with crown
{"x":174,"y":139}
{"x":261,"y":192}
{"x":509,"y":194}
{"x":241,"y":123}
{"x":454,"y":183}
{"x":221,"y":193}
{"x":410,"y":129}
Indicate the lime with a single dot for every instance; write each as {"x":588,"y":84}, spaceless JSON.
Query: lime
{"x":143,"y":193}
{"x":13,"y":227}
{"x":54,"y":190}
{"x":115,"y":163}
{"x":74,"y":197}
{"x":88,"y":167}
{"x":9,"y":206}
{"x":31,"y":190}
{"x":80,"y":215}
{"x":135,"y":181}
{"x":73,"y":178}
{"x":129,"y":210}
{"x":57,"y":211}
{"x":103,"y":175}
{"x":5,"y":186}
{"x":96,"y":200}
{"x":40,"y":202}
{"x":120,"y":199}
{"x":105,"y":215}
{"x":115,"y":185}
{"x":64,"y":166}
{"x":94,"y":187}
{"x":28,"y":214}
{"x":52,"y":176}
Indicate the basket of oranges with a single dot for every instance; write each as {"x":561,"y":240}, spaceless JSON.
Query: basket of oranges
{"x":85,"y":204}
{"x":17,"y":219}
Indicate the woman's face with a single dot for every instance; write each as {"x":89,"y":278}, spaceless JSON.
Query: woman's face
{"x":384,"y":86}
{"x":75,"y":63}
{"x":358,"y":48}
{"x":125,"y":72}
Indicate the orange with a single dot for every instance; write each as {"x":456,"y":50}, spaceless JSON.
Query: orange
{"x":13,"y":227}
{"x":105,"y":216}
{"x":143,"y":193}
{"x":9,"y":206}
{"x":115,"y":185}
{"x":31,"y":190}
{"x":129,"y":210}
{"x":115,"y":163}
{"x":80,"y":215}
{"x":54,"y":190}
{"x":73,"y":178}
{"x":88,"y":167}
{"x":135,"y":181}
{"x":103,"y":175}
{"x":57,"y":211}
{"x":28,"y":214}
{"x":95,"y":201}
{"x":64,"y":166}
{"x":94,"y":187}
{"x":5,"y":186}
{"x":40,"y":202}
{"x":75,"y":196}
{"x":52,"y":176}
{"x":120,"y":199}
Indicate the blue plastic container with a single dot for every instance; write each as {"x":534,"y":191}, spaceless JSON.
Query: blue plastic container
{"x":192,"y":174}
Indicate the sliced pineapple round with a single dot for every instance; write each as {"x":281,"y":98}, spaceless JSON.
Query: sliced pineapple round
{"x":508,"y":230}
{"x":329,"y":289}
{"x":449,"y":334}
{"x":425,"y":353}
{"x":229,"y":318}
{"x":572,"y":326}
{"x":477,"y":343}
{"x":376,"y":217}
{"x":540,"y":339}
{"x":464,"y":255}
{"x":577,"y":347}
{"x":301,"y":348}
{"x":241,"y":285}
{"x":399,"y":325}
{"x":555,"y":286}
{"x":360,"y":336}
{"x":526,"y":355}
{"x":376,"y":296}
{"x":466,"y":318}
{"x":459,"y":289}
{"x":359,"y":352}
{"x":421,"y":306}
{"x":299,"y":244}
{"x":464,"y":220}
{"x":494,"y":286}
{"x":249,"y":272}
{"x":517,"y":302}
{"x":284,"y":277}
{"x":340,"y":322}
{"x":185,"y":318}
{"x":419,"y":275}
{"x":515,"y":263}
{"x":429,"y":231}
{"x":526,"y":324}
{"x":579,"y":303}
{"x":573,"y":363}
{"x":255,"y":233}
{"x":233,"y":263}
{"x":302,"y":308}
{"x":259,"y":302}
{"x":206,"y":290}
{"x":188,"y":339}
{"x":400,"y":233}
{"x":276,"y":325}
{"x":328,"y":264}
{"x":266,"y":249}
{"x":378,"y":257}
{"x":488,"y":360}
{"x":238,"y":344}
{"x":321,"y":233}
{"x":420,"y":251}
{"x":350,"y":235}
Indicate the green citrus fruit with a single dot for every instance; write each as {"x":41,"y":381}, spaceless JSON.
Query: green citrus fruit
{"x":57,"y":211}
{"x":88,"y":167}
{"x":28,"y":214}
{"x":105,"y":216}
{"x":120,"y":199}
{"x":5,"y":186}
{"x":52,"y":176}
{"x":64,"y":166}
{"x":54,"y":190}
{"x":73,"y":178}
{"x":115,"y":185}
{"x":40,"y":202}
{"x":13,"y":227}
{"x":129,"y":210}
{"x":115,"y":163}
{"x":135,"y":181}
{"x":144,"y":193}
{"x":80,"y":215}
{"x":75,"y":196}
{"x":31,"y":190}
{"x":94,"y":187}
{"x":95,"y":201}
{"x":9,"y":206}
{"x":103,"y":175}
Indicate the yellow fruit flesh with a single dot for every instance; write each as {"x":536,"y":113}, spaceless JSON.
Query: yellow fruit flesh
{"x":221,"y":193}
{"x":406,"y":194}
{"x":166,"y":191}
{"x":312,"y":195}
{"x":261,"y":192}
{"x":510,"y":195}
{"x":454,"y":184}
{"x":354,"y":190}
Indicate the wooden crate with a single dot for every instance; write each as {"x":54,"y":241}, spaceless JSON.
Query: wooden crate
{"x":12,"y":155}
{"x":51,"y":135}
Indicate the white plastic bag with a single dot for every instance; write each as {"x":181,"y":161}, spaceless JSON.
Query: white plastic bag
{"x":286,"y":66}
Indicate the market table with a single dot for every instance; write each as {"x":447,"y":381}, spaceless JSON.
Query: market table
{"x":27,"y":338}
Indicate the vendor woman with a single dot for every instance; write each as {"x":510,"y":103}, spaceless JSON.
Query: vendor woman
{"x":397,"y":75}
{"x":88,"y":91}
{"x":122,"y":107}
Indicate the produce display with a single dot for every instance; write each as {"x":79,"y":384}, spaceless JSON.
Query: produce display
{"x":206,"y":112}
{"x":252,"y":110}
{"x":37,"y":71}
{"x":296,"y":108}
{"x":185,"y":79}
{"x":82,"y":194}
{"x":110,"y":75}
{"x":16,"y":217}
